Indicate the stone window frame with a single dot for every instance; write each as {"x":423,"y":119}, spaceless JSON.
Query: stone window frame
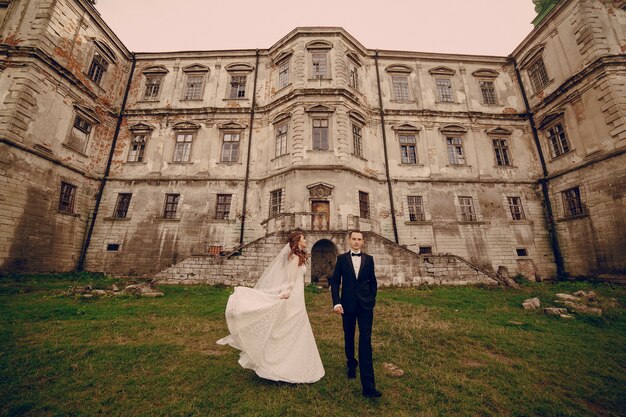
{"x":573,"y":194}
{"x":487,"y":75}
{"x":236,"y":70}
{"x":478,"y":219}
{"x":354,"y":63}
{"x":187,"y":129}
{"x":150,"y":74}
{"x":171,"y":204}
{"x":421,"y":198}
{"x":321,"y":48}
{"x":139,"y":129}
{"x":195,"y":70}
{"x":534,"y":57}
{"x":452,"y":131}
{"x":276,"y":208}
{"x":101,"y":59}
{"x":279,"y":121}
{"x":321,"y":112}
{"x":282,"y":63}
{"x":547,"y":124}
{"x":68,"y":195}
{"x":447,"y":74}
{"x":365,"y":205}
{"x":515,"y":206}
{"x":231,"y":128}
{"x":85,"y":120}
{"x":500,"y":133}
{"x":397,"y":72}
{"x":357,"y":120}
{"x":225,"y":214}
{"x":407,"y":130}
{"x":122,"y":206}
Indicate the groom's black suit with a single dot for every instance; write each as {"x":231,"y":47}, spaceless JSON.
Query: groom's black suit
{"x":358,"y":297}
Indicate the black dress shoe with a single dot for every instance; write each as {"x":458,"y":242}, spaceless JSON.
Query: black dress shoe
{"x":351,"y":373}
{"x":372,"y":394}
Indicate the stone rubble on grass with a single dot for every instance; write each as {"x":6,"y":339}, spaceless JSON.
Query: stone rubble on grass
{"x":579,"y":302}
{"x":581,"y":308}
{"x":143,"y":289}
{"x":567,"y":297}
{"x":392,"y":369}
{"x":586,"y":295}
{"x":566,"y":316}
{"x":555,"y":311}
{"x":531,"y":303}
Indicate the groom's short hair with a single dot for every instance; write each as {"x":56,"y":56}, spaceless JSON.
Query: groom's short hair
{"x":354,"y":231}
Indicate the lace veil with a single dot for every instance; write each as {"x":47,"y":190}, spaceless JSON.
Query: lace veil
{"x":275,"y":276}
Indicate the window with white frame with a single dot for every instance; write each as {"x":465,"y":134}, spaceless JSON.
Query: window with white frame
{"x":182,"y":147}
{"x":237,"y":86}
{"x":444,"y":90}
{"x":137,"y":147}
{"x":364,"y":205}
{"x":488,"y":91}
{"x":319,"y":62}
{"x":416,"y":208}
{"x":572,"y":203}
{"x":222,"y":206}
{"x":468,"y":213}
{"x":538,"y":75}
{"x":153,"y":87}
{"x":501,"y":150}
{"x":559,"y":144}
{"x":400,"y":85}
{"x":193,"y":87}
{"x":230,"y":146}
{"x":516,"y":209}
{"x":276,"y":200}
{"x":456,"y":155}
{"x":281,"y":140}
{"x":320,"y":134}
{"x":357,"y":140}
{"x":408,"y":148}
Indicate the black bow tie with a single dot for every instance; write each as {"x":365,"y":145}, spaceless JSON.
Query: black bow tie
{"x":356,"y":254}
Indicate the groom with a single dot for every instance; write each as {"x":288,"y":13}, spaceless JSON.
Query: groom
{"x":354,"y":272}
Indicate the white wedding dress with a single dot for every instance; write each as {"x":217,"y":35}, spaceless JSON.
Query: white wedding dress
{"x":273,"y":333}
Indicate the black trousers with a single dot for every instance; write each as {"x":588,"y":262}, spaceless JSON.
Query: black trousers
{"x":365,"y":319}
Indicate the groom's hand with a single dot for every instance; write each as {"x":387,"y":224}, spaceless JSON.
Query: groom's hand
{"x":338,"y":309}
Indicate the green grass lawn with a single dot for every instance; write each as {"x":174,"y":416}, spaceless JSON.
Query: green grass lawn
{"x":466,"y":351}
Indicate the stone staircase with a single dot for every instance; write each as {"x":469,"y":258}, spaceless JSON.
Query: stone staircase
{"x":395,"y":265}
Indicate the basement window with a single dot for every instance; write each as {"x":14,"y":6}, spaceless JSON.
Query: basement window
{"x":113,"y":247}
{"x":215,"y":250}
{"x":522,"y":252}
{"x":426,"y":250}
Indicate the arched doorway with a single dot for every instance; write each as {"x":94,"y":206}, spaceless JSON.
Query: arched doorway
{"x":323,"y":257}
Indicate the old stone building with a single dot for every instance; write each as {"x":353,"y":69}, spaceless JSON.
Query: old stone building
{"x":192,"y":166}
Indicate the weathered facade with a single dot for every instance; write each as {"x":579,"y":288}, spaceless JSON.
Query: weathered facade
{"x":474,"y":156}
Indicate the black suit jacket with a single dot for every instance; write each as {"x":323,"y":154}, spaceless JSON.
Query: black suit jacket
{"x":355,"y":290}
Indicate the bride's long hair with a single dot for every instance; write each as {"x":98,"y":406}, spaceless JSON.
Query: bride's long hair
{"x":294,"y":239}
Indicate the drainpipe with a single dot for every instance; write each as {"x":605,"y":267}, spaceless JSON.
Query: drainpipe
{"x":247,"y":179}
{"x":558,"y":258}
{"x":83,"y":254}
{"x":382,"y":122}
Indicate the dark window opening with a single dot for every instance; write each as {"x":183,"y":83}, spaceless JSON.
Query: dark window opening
{"x":113,"y":247}
{"x":522,"y":252}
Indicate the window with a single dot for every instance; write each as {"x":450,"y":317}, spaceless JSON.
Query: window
{"x":320,"y":64}
{"x":281,"y":140}
{"x":171,"y":206}
{"x":416,"y":208}
{"x":357,"y":142}
{"x":488,"y":91}
{"x":121,"y":206}
{"x":98,"y":67}
{"x":407,"y":149}
{"x":276,"y":200}
{"x":215,"y":250}
{"x":572,"y":203}
{"x":425,"y":250}
{"x":153,"y":86}
{"x":515,"y":205}
{"x":501,"y":149}
{"x":521,"y":252}
{"x":113,"y":247}
{"x":455,"y":151}
{"x":193,"y":89}
{"x":79,"y":135}
{"x":222,"y":207}
{"x":364,"y":205}
{"x":137,"y":147}
{"x":283,"y":74}
{"x":400,"y":85}
{"x":468,"y":214}
{"x":67,"y":197}
{"x":558,"y":141}
{"x":354,"y":76}
{"x":230,"y":147}
{"x":237,"y":86}
{"x":538,"y":75}
{"x":320,"y":134}
{"x":182,"y":150}
{"x":444,"y":90}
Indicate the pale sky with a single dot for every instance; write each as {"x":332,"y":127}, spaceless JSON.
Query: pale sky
{"x":478,"y":27}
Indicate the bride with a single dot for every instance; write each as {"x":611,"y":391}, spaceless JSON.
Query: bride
{"x":269,"y":322}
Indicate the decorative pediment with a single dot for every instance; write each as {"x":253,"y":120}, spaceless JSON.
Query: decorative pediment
{"x":320,"y":190}
{"x":405,"y":127}
{"x":354,"y":58}
{"x":357,"y":116}
{"x":232,"y":126}
{"x":239,"y":67}
{"x":485,"y":73}
{"x":498,"y":131}
{"x":283,"y":56}
{"x":105,"y":50}
{"x":196,"y":68}
{"x":548,"y":119}
{"x":453,"y":129}
{"x":281,"y":117}
{"x":156,"y":70}
{"x":399,"y":69}
{"x":319,"y":108}
{"x":140,"y":127}
{"x":87,"y":113}
{"x":319,"y":44}
{"x":449,"y":72}
{"x":535,"y":52}
{"x":188,"y":126}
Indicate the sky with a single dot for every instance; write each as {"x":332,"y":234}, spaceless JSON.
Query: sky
{"x":476,"y":27}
